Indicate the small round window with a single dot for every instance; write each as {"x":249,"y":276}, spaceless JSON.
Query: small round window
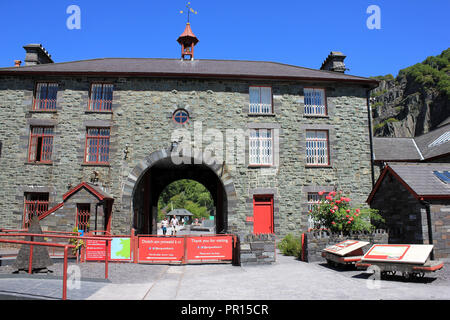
{"x":180,"y":116}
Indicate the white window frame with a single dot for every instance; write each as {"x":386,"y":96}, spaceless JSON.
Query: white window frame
{"x":260,"y":100}
{"x":313,"y":198}
{"x":317,"y":148}
{"x":261,"y":147}
{"x":315,"y":102}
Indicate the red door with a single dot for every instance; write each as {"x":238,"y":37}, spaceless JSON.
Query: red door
{"x":262,"y":214}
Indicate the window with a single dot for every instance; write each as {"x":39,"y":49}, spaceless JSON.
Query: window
{"x":317,"y":153}
{"x":261,"y":146}
{"x":260,"y":100}
{"x":83,"y":215}
{"x":180,"y":116}
{"x":45,"y":96}
{"x":441,"y":140}
{"x":97,"y":145}
{"x":315,"y":104}
{"x":313,"y":199}
{"x":36,"y":204}
{"x":101,"y":97}
{"x":41,"y":145}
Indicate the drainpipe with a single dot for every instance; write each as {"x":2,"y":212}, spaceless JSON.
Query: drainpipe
{"x":426,"y":204}
{"x":369,"y":117}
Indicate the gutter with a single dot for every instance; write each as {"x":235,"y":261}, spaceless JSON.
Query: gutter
{"x":369,"y":117}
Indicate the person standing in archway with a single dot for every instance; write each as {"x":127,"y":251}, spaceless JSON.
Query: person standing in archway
{"x":164,"y":225}
{"x":174,"y":223}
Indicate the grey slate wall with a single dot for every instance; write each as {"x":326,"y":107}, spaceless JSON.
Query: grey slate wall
{"x":141,"y":120}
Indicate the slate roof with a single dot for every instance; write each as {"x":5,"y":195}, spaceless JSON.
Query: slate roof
{"x":411,"y":149}
{"x":181,"y":68}
{"x":179,"y":212}
{"x":399,"y":149}
{"x":418,"y":178}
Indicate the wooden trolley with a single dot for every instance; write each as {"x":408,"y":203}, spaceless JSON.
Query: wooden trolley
{"x":409,"y":260}
{"x":344,"y":253}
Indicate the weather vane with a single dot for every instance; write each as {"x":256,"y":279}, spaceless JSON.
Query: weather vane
{"x":189,"y":10}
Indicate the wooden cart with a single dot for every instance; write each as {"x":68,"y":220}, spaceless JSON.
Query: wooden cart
{"x":409,"y":260}
{"x":344,"y":253}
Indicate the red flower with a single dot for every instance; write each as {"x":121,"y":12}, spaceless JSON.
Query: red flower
{"x":357,"y":210}
{"x":338,"y":201}
{"x":328,"y":198}
{"x":347,"y":216}
{"x":351,"y":219}
{"x":348,"y":210}
{"x":333,"y":223}
{"x":321,"y":193}
{"x":349,"y":222}
{"x":331,"y":210}
{"x":335,"y":207}
{"x":356,"y":215}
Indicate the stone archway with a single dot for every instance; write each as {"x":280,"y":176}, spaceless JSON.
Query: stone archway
{"x":148,"y":179}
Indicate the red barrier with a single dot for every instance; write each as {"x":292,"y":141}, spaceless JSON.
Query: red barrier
{"x":182,"y":249}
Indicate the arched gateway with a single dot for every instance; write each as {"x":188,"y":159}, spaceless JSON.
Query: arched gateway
{"x":149,"y":178}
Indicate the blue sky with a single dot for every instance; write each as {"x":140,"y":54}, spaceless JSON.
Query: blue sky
{"x":294,"y":32}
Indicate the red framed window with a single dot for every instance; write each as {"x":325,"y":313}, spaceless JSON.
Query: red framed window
{"x":101,"y":96}
{"x":97,"y":145}
{"x":83,"y":215}
{"x":45,"y":96}
{"x":317,"y":148}
{"x":41,"y":145}
{"x":36,"y":204}
{"x":260,"y":100}
{"x":315,"y":102}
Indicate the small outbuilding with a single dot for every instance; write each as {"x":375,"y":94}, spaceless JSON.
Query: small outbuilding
{"x":414,"y":199}
{"x":180,"y":214}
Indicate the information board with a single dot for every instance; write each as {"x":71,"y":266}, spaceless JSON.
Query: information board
{"x":346,"y":247}
{"x":213,"y":248}
{"x":95,"y":250}
{"x":120,"y":249}
{"x":161,"y":249}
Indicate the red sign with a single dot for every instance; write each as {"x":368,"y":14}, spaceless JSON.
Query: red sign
{"x":161,"y":249}
{"x":214,"y":248}
{"x":95,"y":250}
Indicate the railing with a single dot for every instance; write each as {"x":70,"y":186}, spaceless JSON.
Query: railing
{"x":54,"y":245}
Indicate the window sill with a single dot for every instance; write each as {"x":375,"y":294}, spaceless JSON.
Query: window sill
{"x":99,"y":111}
{"x":328,"y":166}
{"x":43,"y":111}
{"x":316,"y":116}
{"x":261,"y":114}
{"x":256,"y":166}
{"x":39,"y":163}
{"x":85,"y":164}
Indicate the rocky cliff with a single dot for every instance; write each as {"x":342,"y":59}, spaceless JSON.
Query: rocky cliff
{"x":414,"y":102}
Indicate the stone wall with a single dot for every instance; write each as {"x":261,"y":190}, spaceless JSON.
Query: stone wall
{"x":258,"y":249}
{"x":316,"y":241}
{"x":141,"y":123}
{"x":440,"y":227}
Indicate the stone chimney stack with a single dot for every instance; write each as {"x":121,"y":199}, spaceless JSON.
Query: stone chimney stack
{"x":334,"y":62}
{"x":36,"y":54}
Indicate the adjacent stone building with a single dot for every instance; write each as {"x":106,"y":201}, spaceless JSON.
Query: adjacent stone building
{"x":414,"y":199}
{"x":282,"y":133}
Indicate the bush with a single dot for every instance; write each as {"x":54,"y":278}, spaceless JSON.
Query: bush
{"x":291,"y":246}
{"x":334,"y":212}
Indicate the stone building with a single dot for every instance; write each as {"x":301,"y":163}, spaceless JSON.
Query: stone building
{"x":412,"y":191}
{"x":282,"y":133}
{"x":414,"y":199}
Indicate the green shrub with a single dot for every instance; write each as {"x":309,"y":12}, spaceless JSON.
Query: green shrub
{"x":291,"y":246}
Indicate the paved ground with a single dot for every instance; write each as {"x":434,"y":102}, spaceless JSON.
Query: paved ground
{"x":287,"y":279}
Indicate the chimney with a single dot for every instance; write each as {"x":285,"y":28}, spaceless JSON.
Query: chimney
{"x":334,"y":62}
{"x":36,"y":54}
{"x":17,"y":63}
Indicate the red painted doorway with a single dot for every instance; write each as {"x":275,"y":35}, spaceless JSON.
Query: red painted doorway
{"x":263,"y":214}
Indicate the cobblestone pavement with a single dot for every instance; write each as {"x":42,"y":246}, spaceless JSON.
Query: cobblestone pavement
{"x":287,"y":279}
